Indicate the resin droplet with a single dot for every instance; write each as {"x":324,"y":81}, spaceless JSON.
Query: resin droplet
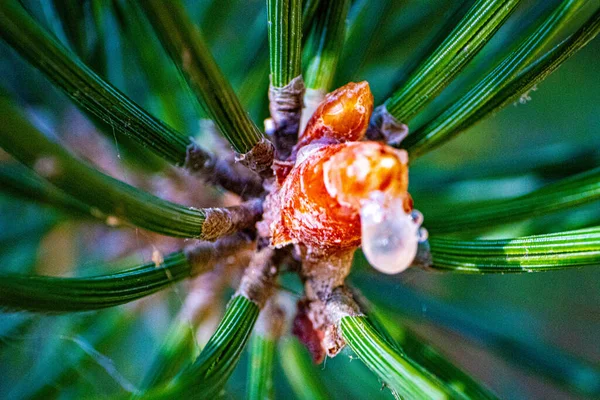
{"x":390,"y":236}
{"x":343,"y":116}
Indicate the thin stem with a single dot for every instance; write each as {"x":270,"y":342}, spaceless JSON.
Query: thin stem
{"x":436,"y":131}
{"x":327,"y":42}
{"x":112,"y":200}
{"x":482,"y":21}
{"x":188,"y":50}
{"x":580,"y":189}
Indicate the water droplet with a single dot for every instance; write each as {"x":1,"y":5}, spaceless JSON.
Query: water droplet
{"x":390,"y":236}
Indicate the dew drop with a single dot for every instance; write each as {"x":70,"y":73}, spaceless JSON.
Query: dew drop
{"x":390,"y":236}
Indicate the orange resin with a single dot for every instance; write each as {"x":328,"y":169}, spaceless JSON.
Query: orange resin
{"x":342,"y":117}
{"x":319,"y":200}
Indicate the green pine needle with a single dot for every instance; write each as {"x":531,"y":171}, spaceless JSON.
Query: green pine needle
{"x":482,"y":21}
{"x":326,"y":44}
{"x":18,"y":180}
{"x":260,"y":367}
{"x":109,"y":199}
{"x":188,"y":50}
{"x":300,"y":371}
{"x":207,"y":376}
{"x":54,"y":294}
{"x":285,"y":38}
{"x":448,"y":122}
{"x":85,"y":88}
{"x":579,"y":189}
{"x":425,"y":354}
{"x":527,"y":254}
{"x":401,"y":374}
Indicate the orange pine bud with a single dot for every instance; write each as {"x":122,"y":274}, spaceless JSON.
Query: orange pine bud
{"x":320,"y":199}
{"x":342,"y":117}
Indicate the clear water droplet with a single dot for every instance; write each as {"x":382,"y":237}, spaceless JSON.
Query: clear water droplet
{"x":417,"y":217}
{"x":423,"y":235}
{"x":390,"y":236}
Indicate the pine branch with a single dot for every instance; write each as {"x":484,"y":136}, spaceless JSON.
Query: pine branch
{"x":109,"y":199}
{"x":184,"y":43}
{"x":450,"y":121}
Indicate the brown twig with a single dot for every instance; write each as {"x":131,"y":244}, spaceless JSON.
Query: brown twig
{"x":223,"y":173}
{"x":259,"y":159}
{"x":258,"y":282}
{"x":285,"y":106}
{"x":204,"y":256}
{"x":225,"y":221}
